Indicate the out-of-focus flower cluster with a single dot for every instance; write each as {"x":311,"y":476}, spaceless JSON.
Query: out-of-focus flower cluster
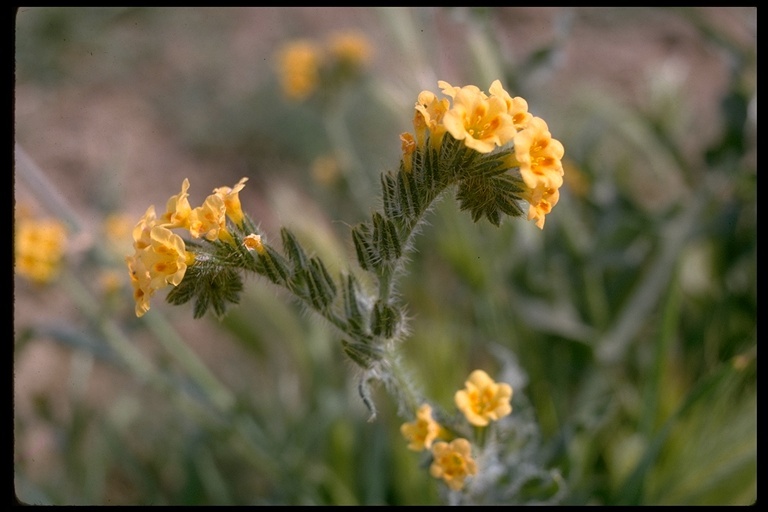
{"x":39,"y":246}
{"x":481,"y":401}
{"x":488,"y":122}
{"x":160,"y":257}
{"x":306,"y":65}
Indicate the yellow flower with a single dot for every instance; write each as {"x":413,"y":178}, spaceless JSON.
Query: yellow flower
{"x":453,"y":462}
{"x":177,"y":210}
{"x":408,"y":145}
{"x":160,"y":258}
{"x":539,"y":156}
{"x":483,"y":400}
{"x":517,"y":107}
{"x":422,"y":432}
{"x":253,"y":242}
{"x":209,"y":220}
{"x":165,"y":258}
{"x":541,"y":201}
{"x":452,"y":91}
{"x":231,"y":197}
{"x":429,"y":116}
{"x":141,"y":282}
{"x":38,"y":248}
{"x":298,"y":68}
{"x":142,"y":229}
{"x":161,"y":263}
{"x":351,"y":48}
{"x":483,"y":123}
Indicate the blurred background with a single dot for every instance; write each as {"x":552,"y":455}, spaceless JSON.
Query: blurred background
{"x":628,"y":324}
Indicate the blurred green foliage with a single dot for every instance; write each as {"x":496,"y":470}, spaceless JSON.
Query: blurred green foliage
{"x":632,"y":315}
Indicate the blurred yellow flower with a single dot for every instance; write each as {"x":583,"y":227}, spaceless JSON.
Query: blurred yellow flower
{"x":483,"y":123}
{"x":38,"y":248}
{"x":453,"y":462}
{"x":483,"y":400}
{"x":117,"y":227}
{"x":231,"y":197}
{"x":325,"y":169}
{"x":110,"y":281}
{"x":351,"y":48}
{"x":299,"y":68}
{"x":421,"y":432}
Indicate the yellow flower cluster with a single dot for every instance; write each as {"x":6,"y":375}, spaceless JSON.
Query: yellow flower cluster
{"x":351,"y":48}
{"x":160,"y":257}
{"x":487,"y":122}
{"x":539,"y":157}
{"x":302,"y":64}
{"x":38,"y":248}
{"x":481,"y":401}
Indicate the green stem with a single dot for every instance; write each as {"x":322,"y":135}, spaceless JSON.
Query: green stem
{"x":400,"y":385}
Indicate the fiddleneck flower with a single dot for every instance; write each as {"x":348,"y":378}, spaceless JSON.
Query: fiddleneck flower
{"x":421,"y":432}
{"x":165,"y":258}
{"x":483,"y":123}
{"x":483,"y":400}
{"x":209,"y":220}
{"x":141,"y":281}
{"x":161,"y":262}
{"x":517,"y":107}
{"x":408,"y":146}
{"x":253,"y":242}
{"x":177,"y":210}
{"x":450,"y":90}
{"x":231,"y":197}
{"x":541,"y":200}
{"x":429,"y":117}
{"x":141,"y":231}
{"x":453,"y":462}
{"x":539,"y":156}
